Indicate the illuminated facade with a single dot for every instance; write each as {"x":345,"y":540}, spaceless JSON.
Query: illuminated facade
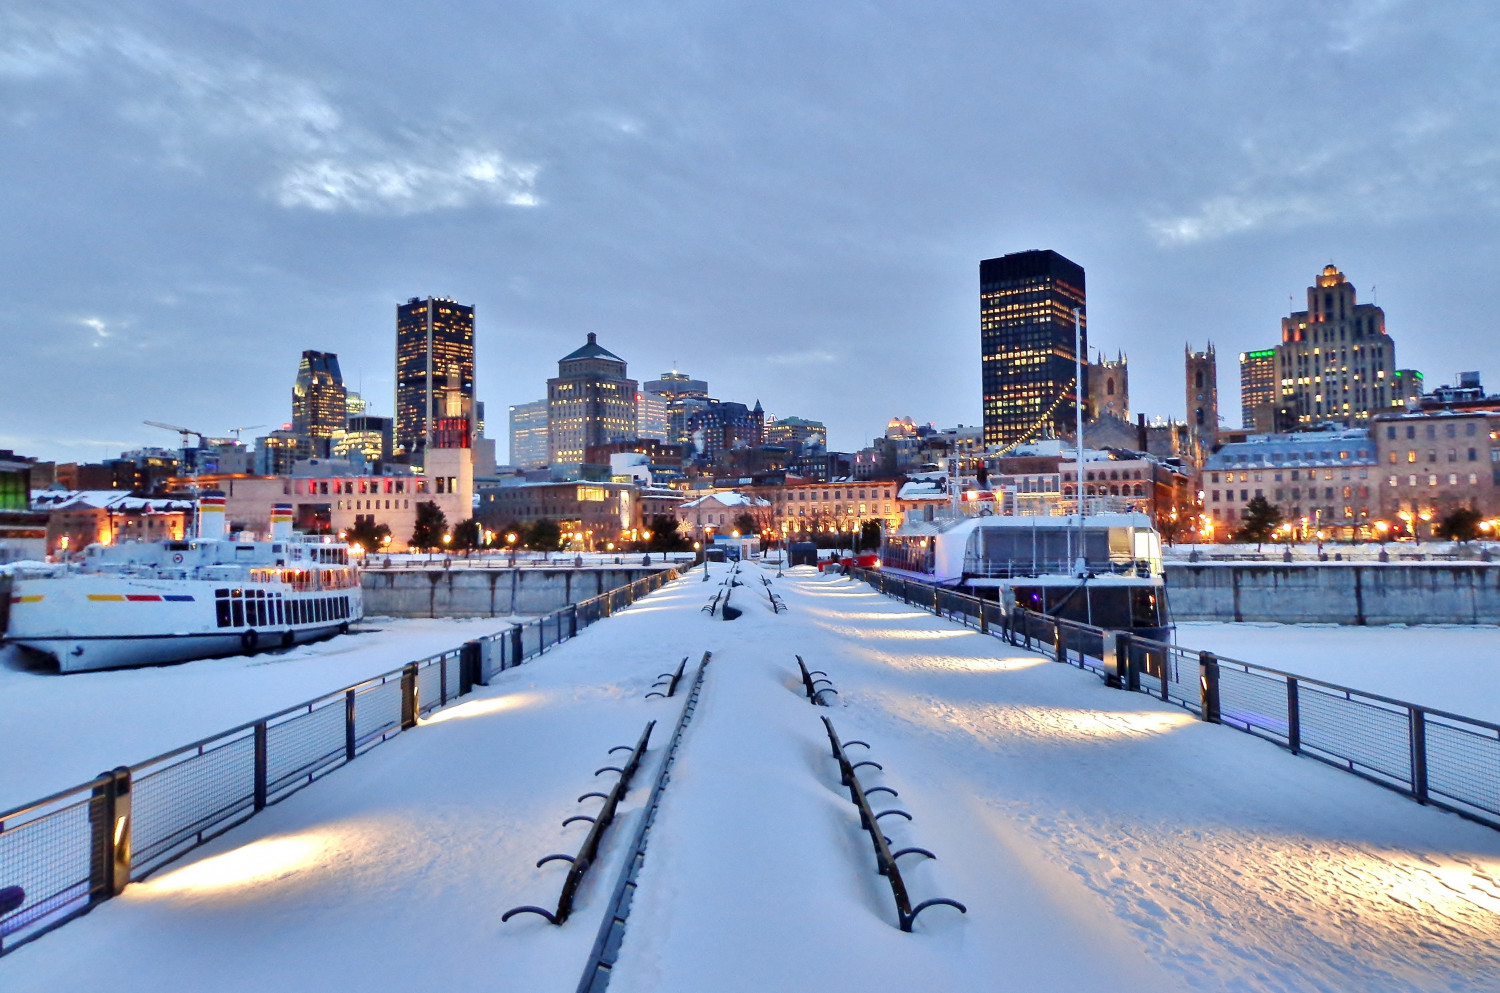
{"x":591,"y":402}
{"x":528,"y":435}
{"x":434,"y":374}
{"x":676,"y":396}
{"x":1258,"y":393}
{"x":373,"y":436}
{"x":319,"y":400}
{"x":1335,"y":362}
{"x":1026,"y":304}
{"x":1430,"y":464}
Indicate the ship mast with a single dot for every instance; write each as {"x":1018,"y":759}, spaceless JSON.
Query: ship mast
{"x":1080,"y":565}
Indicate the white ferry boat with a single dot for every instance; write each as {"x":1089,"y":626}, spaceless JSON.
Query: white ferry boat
{"x":149,"y":603}
{"x":1106,"y":572}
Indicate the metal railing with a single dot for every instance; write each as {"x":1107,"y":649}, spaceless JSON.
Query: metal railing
{"x":1432,"y":756}
{"x":67,"y":852}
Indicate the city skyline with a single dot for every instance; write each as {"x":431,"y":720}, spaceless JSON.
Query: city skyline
{"x":206,"y":189}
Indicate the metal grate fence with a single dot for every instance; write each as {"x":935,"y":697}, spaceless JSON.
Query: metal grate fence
{"x":1434,"y":757}
{"x":67,"y":852}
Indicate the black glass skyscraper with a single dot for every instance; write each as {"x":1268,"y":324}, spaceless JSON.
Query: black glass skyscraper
{"x":1026,"y":303}
{"x":434,"y":374}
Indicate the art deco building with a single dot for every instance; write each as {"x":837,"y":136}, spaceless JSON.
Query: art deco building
{"x":434,"y":374}
{"x":319,"y":400}
{"x":1026,"y":304}
{"x":591,"y":402}
{"x":1335,"y":362}
{"x":528,"y":435}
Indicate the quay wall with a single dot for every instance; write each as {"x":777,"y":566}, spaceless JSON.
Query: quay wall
{"x":1335,"y":592}
{"x":462,"y":592}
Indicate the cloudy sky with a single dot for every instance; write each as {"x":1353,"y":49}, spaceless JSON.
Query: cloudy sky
{"x":789,"y":200}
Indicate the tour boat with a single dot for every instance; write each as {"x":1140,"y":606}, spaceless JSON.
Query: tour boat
{"x":148,"y":603}
{"x":1105,"y":571}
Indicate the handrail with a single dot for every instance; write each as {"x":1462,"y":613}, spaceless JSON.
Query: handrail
{"x":885,"y":859}
{"x":1433,"y":756}
{"x":139,"y":820}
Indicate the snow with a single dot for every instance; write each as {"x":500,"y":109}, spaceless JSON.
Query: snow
{"x":69,"y":728}
{"x":1447,"y":667}
{"x":1099,"y":838}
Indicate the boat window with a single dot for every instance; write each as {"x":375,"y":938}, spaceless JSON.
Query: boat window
{"x":221,"y":608}
{"x":238,"y":607}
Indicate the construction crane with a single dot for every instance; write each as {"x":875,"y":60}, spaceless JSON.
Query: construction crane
{"x":182,"y":431}
{"x":247,"y":427}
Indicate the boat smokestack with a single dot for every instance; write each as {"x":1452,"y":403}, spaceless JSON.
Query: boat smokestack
{"x":281,"y":522}
{"x":211,"y":521}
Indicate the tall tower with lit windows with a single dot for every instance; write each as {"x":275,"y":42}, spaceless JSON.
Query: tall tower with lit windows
{"x":1026,"y":303}
{"x":1335,"y":362}
{"x":590,"y":402}
{"x":434,"y":374}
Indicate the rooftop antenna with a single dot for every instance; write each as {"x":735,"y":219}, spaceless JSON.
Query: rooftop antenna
{"x":1080,"y":566}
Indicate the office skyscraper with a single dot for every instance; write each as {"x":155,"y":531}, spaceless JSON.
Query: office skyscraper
{"x":528,"y":434}
{"x":319,"y":400}
{"x":591,"y":402}
{"x":667,"y":403}
{"x":1026,"y":303}
{"x":434,"y":374}
{"x":1258,"y":392}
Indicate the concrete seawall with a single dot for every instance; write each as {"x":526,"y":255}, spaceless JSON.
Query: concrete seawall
{"x":487,"y":592}
{"x":1336,"y":592}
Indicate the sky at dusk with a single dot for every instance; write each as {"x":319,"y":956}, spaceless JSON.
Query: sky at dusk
{"x":788,"y":200}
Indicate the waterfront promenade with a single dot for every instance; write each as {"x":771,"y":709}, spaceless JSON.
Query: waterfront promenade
{"x":1098,"y":838}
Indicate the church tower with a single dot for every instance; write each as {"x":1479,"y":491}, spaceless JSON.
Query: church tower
{"x":1109,"y":388}
{"x":1202,"y":399}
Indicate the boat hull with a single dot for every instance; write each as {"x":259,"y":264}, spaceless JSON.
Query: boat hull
{"x":88,"y":623}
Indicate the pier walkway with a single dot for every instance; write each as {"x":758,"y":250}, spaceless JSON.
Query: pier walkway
{"x":1097,"y":838}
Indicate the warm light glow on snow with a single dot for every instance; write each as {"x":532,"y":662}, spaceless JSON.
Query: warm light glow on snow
{"x":254,"y":864}
{"x":483,"y":708}
{"x":873,"y":615}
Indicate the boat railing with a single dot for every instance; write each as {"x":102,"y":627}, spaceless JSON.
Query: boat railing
{"x":1030,"y":568}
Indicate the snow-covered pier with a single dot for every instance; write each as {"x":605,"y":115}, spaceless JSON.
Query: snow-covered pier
{"x":1097,"y":838}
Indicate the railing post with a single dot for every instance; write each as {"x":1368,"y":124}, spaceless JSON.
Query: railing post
{"x":409,"y":701}
{"x":1208,"y":685}
{"x":515,"y":644}
{"x":260,"y":765}
{"x":984,"y":618}
{"x":935,"y":601}
{"x":1059,"y":642}
{"x":1109,"y":648}
{"x":572,"y":620}
{"x":470,"y":667}
{"x":1125,"y":651}
{"x":110,"y":829}
{"x":349,"y":739}
{"x":1419,"y":754}
{"x":1293,"y":716}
